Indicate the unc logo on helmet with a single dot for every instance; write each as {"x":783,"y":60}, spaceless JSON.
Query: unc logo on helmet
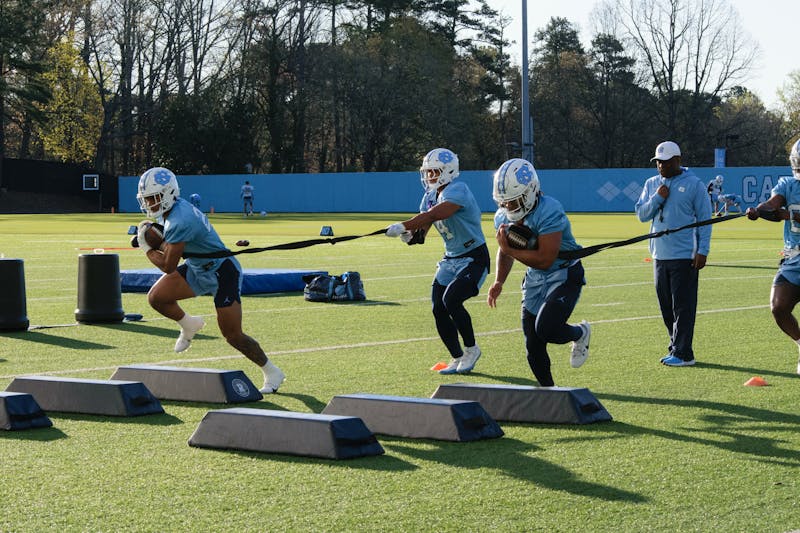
{"x":162,"y":176}
{"x":524,"y":174}
{"x":439,"y":167}
{"x":445,"y":156}
{"x":516,"y":188}
{"x":158,"y":190}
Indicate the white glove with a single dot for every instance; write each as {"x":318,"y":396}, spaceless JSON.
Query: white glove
{"x":406,"y":236}
{"x":395,"y":230}
{"x":143,"y":225}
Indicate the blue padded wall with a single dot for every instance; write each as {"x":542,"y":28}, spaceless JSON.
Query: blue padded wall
{"x":585,"y":190}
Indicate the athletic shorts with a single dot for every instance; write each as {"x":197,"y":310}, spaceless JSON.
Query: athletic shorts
{"x":473,"y":265}
{"x":224,"y":283}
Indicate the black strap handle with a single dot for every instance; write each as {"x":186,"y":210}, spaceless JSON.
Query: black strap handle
{"x":286,"y":246}
{"x":589,"y":250}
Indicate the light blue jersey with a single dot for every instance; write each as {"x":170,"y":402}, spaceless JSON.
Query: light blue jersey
{"x":462,"y":231}
{"x":789,"y":188}
{"x":185,"y":223}
{"x":548,"y":217}
{"x":687,"y":203}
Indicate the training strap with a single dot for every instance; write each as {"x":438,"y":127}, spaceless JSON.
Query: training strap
{"x":589,"y":250}
{"x":287,"y":246}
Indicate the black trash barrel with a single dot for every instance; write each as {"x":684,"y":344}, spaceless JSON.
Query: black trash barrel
{"x":99,"y":289}
{"x":13,"y":305}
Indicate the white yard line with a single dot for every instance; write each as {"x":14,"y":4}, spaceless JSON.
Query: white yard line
{"x":355,"y":345}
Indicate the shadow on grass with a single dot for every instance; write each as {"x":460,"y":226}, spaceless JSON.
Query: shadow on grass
{"x":379,"y":463}
{"x":309,"y":401}
{"x":156,"y":419}
{"x":746,"y":370}
{"x":156,"y":331}
{"x":513,"y":380}
{"x":734,"y":424}
{"x":37,"y":434}
{"x":514,"y":458}
{"x":45,"y":338}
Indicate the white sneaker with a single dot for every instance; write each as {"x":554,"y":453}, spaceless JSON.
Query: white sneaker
{"x":275,"y":377}
{"x":798,"y":367}
{"x":452,"y":366}
{"x":468,"y":360}
{"x":580,"y":347}
{"x":188,"y":333}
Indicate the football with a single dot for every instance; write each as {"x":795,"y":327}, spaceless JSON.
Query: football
{"x":154,"y":235}
{"x":521,"y":237}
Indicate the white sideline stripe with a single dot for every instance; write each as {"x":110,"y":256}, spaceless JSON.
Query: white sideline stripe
{"x":357,"y":345}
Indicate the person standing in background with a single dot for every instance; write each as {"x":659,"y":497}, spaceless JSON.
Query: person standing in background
{"x":247,"y":199}
{"x":673,"y":198}
{"x":714,"y":189}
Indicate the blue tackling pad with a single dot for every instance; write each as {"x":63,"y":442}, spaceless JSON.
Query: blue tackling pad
{"x":255,"y":281}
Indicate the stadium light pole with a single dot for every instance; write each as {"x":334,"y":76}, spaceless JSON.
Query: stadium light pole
{"x":526,"y":119}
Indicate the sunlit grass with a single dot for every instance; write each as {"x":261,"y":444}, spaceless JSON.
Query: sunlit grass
{"x":689,"y":448}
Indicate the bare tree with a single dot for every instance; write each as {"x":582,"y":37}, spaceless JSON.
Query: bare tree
{"x":689,"y":47}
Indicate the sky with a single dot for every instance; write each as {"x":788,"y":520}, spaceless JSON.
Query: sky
{"x":771,"y":23}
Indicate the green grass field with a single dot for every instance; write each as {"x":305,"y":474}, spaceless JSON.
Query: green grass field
{"x":690,"y":449}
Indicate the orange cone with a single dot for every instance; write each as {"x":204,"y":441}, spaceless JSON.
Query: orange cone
{"x":438,"y":366}
{"x":756,"y":381}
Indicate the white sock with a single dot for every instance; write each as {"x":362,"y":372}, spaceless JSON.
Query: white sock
{"x":186,"y":321}
{"x":267,"y":368}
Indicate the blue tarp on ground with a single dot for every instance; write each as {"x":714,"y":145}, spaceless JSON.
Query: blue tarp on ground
{"x":255,"y":281}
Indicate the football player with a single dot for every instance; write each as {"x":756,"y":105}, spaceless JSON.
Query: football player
{"x":247,"y":195}
{"x":782,"y":206}
{"x":186,"y":229}
{"x":450,"y":207}
{"x":552,"y":286}
{"x":714,"y":189}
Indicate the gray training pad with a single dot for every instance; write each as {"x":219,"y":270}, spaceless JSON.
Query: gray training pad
{"x":89,"y":396}
{"x":269,"y":431}
{"x":518,"y":403}
{"x":418,"y":418}
{"x":192,"y":384}
{"x":20,"y":411}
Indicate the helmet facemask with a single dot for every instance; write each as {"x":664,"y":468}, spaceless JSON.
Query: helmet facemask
{"x":439,"y":167}
{"x":151,"y":204}
{"x":158,"y":191}
{"x":517,"y":208}
{"x":516,"y":189}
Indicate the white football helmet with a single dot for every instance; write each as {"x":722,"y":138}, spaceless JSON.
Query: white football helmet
{"x":160,"y":184}
{"x":719,"y":179}
{"x":794,"y":159}
{"x":439,"y":167}
{"x":516,"y":188}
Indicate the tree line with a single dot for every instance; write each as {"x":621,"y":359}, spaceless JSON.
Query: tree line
{"x":293,"y":86}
